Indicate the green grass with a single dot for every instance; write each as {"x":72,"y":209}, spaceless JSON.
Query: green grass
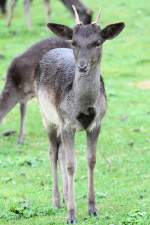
{"x":122,"y":175}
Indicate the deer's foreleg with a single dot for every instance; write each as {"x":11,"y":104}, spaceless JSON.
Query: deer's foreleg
{"x":92,"y":138}
{"x":62,"y":163}
{"x":68,"y":143}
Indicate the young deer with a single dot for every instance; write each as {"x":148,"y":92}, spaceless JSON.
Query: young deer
{"x":19,"y":85}
{"x":72,"y":98}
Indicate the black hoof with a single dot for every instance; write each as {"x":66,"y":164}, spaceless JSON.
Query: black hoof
{"x":92,"y":212}
{"x":71,"y":221}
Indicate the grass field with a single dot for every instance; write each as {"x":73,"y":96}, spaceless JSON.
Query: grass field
{"x":123,"y":152}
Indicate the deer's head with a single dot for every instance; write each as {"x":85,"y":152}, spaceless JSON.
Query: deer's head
{"x":86,"y":40}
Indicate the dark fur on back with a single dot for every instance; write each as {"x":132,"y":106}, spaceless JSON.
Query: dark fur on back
{"x":18,"y":71}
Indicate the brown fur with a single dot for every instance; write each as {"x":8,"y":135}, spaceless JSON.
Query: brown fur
{"x":21,"y":74}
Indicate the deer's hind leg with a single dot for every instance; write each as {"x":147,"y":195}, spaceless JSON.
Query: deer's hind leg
{"x":10,"y":8}
{"x":68,"y":144}
{"x":53,"y":154}
{"x":22,"y":123}
{"x":27,"y":9}
{"x":62,"y":164}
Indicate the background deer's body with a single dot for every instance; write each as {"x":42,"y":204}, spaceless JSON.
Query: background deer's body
{"x":19,"y":86}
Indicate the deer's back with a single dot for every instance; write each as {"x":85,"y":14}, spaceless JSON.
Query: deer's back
{"x":57,"y":71}
{"x":22,"y":68}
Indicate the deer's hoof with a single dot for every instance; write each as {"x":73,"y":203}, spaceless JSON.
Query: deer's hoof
{"x":92,"y":211}
{"x":71,"y":221}
{"x":21,"y":139}
{"x":71,"y":217}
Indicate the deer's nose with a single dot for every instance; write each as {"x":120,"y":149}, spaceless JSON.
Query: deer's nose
{"x":83,"y":67}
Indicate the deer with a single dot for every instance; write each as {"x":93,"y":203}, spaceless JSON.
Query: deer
{"x":83,"y":10}
{"x":71,"y":94}
{"x":20,"y":78}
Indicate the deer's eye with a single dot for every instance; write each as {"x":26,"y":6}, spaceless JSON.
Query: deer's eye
{"x":97,"y":43}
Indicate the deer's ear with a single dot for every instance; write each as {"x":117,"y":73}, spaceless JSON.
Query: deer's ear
{"x":112,"y":30}
{"x":61,"y":30}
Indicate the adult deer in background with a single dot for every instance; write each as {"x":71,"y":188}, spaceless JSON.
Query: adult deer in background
{"x":20,"y":79}
{"x":72,"y":98}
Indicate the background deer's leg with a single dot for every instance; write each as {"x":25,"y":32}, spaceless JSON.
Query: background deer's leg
{"x":68,"y":144}
{"x":47,"y":9}
{"x":10,"y":9}
{"x":92,"y":138}
{"x":22,"y":123}
{"x":27,"y":7}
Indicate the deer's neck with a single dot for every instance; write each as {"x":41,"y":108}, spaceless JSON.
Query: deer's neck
{"x":86,"y":88}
